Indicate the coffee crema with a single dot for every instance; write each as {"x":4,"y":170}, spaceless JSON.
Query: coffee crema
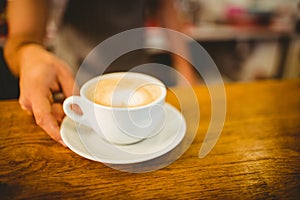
{"x":124,"y":92}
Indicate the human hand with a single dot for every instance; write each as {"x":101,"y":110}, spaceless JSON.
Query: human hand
{"x":41,"y":75}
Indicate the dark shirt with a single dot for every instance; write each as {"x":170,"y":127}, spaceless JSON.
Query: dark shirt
{"x":100,"y":19}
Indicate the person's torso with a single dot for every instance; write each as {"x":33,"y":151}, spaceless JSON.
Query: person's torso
{"x":98,"y":20}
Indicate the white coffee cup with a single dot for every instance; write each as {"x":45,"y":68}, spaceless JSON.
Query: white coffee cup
{"x":128,"y":117}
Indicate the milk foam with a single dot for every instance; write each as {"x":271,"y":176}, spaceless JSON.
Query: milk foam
{"x":125,"y":92}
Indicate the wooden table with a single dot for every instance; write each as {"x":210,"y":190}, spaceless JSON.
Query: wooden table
{"x":256,"y":157}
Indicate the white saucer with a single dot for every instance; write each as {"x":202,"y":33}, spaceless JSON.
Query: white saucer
{"x":86,"y":143}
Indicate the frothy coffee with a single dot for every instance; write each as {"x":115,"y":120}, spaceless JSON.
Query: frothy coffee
{"x":124,"y":92}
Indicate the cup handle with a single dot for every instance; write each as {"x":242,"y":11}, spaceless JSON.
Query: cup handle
{"x":70,"y":113}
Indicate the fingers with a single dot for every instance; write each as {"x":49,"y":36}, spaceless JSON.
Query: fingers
{"x":66,"y":79}
{"x":25,"y":104}
{"x":58,"y":112}
{"x":44,"y":117}
{"x":47,"y":116}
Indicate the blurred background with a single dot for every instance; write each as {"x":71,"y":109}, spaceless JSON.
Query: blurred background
{"x":248,"y":39}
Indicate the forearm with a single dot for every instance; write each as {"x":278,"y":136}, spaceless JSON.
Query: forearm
{"x":170,"y":18}
{"x":27,"y":21}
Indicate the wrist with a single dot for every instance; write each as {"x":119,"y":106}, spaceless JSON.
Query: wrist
{"x":13,"y":50}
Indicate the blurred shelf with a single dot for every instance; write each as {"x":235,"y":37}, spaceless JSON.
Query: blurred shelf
{"x":213,"y":32}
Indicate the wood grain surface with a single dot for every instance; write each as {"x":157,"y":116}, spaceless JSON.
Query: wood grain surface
{"x":256,"y":157}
